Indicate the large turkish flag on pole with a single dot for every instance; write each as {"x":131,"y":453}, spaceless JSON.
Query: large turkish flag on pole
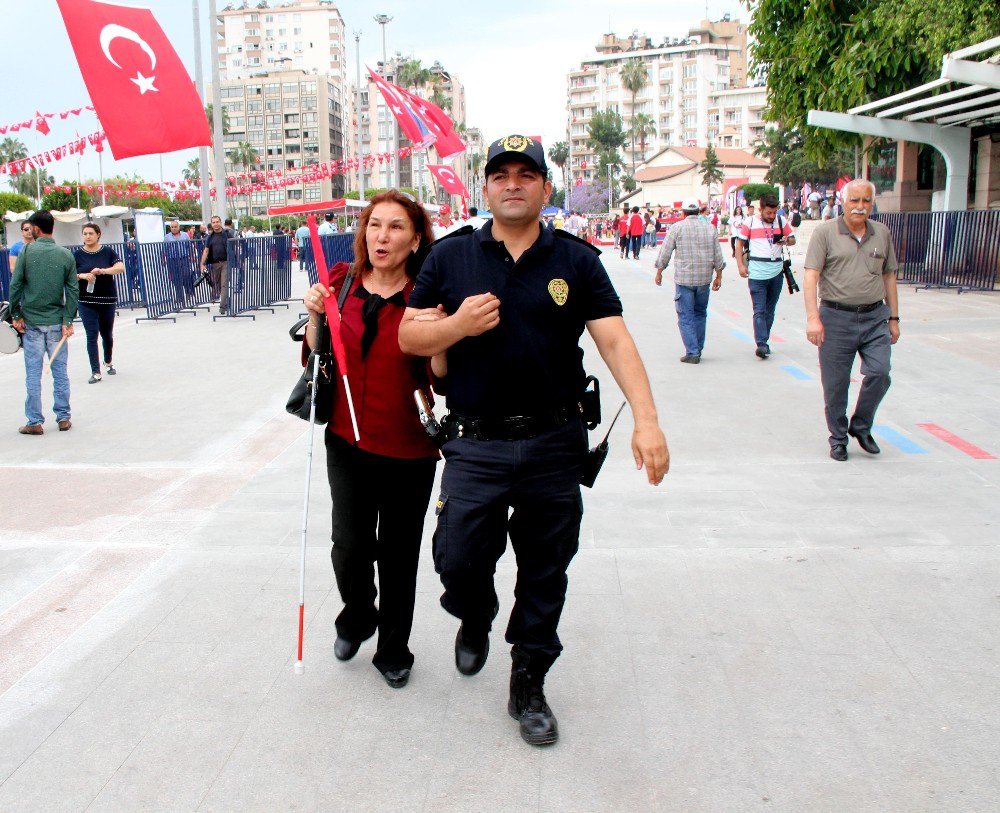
{"x":139,"y":87}
{"x":449,"y":180}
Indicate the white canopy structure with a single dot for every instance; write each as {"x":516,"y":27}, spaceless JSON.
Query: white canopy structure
{"x":941,"y":113}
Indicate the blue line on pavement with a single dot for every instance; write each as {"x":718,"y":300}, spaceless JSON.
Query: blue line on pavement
{"x":743,"y":337}
{"x":901,"y":442}
{"x":795,"y":372}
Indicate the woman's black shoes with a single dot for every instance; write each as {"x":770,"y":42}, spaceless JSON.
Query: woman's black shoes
{"x":396,"y":678}
{"x":344,"y":650}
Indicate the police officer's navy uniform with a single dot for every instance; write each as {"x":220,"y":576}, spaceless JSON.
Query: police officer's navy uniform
{"x":517,"y":439}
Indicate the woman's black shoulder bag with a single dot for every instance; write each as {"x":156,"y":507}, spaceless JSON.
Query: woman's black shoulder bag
{"x":299,"y":402}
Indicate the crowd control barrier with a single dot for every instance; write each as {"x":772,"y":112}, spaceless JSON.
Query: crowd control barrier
{"x":259,"y":275}
{"x":959,"y":250}
{"x":337,"y":248}
{"x":4,"y":275}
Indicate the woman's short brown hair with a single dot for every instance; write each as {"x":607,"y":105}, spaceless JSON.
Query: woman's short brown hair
{"x":93,"y":226}
{"x":418,"y":218}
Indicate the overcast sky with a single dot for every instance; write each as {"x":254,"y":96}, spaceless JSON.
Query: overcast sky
{"x":512,"y":57}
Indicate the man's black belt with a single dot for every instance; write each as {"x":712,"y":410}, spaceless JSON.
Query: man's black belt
{"x":839,"y":306}
{"x":766,"y":259}
{"x":514,"y":427}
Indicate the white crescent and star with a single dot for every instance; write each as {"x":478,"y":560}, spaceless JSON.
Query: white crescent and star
{"x":112,"y":32}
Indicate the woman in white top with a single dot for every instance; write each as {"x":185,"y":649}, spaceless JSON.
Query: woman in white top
{"x":735,"y":222}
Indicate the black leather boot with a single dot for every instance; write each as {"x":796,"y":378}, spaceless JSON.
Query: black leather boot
{"x":527,"y":704}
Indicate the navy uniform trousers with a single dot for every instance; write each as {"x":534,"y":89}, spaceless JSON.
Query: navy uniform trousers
{"x":847,"y":335}
{"x":529,"y":489}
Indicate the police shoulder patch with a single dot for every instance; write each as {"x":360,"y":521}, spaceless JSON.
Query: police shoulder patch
{"x":565,"y":235}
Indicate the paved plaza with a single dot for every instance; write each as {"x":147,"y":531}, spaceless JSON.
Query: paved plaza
{"x":769,"y":630}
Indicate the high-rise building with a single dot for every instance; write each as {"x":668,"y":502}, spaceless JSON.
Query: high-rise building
{"x":303,"y":34}
{"x":291,"y":119}
{"x":683,"y":77}
{"x":282,"y":87}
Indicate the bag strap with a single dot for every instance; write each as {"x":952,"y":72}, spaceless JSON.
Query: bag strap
{"x":348,"y":281}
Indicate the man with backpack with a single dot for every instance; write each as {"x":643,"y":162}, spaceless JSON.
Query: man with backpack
{"x":759,"y":258}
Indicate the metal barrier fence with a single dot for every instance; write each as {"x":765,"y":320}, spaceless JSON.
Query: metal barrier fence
{"x":4,"y":274}
{"x":958,"y":250}
{"x":337,"y":248}
{"x":259,"y":275}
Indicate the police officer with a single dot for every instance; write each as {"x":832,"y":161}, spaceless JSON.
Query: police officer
{"x":509,"y":302}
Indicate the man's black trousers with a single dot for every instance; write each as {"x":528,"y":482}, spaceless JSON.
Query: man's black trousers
{"x":529,"y":489}
{"x":379,"y":504}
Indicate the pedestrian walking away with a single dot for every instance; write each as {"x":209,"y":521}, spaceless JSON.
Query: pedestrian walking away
{"x":851,"y":267}
{"x":517,"y":298}
{"x":380,"y":486}
{"x":43,"y":297}
{"x":759,"y":259}
{"x":635,"y":231}
{"x":96,"y":267}
{"x":215,"y":260}
{"x":698,"y":255}
{"x":623,"y":235}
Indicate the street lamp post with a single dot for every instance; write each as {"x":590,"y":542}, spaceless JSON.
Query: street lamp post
{"x":392,"y":179}
{"x":357,"y":113}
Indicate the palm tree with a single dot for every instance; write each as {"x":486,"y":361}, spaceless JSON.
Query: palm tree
{"x":559,"y":153}
{"x":12,"y":149}
{"x":642,"y":126}
{"x":192,"y":172}
{"x":441,"y":98}
{"x":244,"y":155}
{"x":412,"y":75}
{"x":634,"y":79}
{"x":475,"y":166}
{"x":210,"y":112}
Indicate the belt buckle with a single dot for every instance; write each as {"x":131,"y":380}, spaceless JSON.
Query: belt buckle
{"x":518,"y":423}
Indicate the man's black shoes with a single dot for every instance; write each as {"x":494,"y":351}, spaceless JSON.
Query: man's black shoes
{"x":691,"y":358}
{"x":838,"y":452}
{"x":763,"y":351}
{"x":396,"y":678}
{"x":527,"y":705}
{"x":865,"y":441}
{"x":471,"y":651}
{"x":344,"y":650}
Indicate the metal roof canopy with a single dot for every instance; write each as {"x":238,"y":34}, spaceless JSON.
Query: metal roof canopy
{"x":926,"y":115}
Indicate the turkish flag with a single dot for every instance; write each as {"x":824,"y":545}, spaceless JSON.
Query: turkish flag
{"x":446,"y":140}
{"x":413,"y":126}
{"x":141,"y":91}
{"x":449,"y":180}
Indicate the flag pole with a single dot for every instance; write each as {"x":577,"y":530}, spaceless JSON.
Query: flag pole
{"x":357,"y":115}
{"x":219,"y":167}
{"x":199,"y":81}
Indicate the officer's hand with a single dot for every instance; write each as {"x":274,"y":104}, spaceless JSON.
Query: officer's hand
{"x":814,"y":330}
{"x":18,"y":325}
{"x":430,"y":314}
{"x":314,"y":298}
{"x":893,"y":332}
{"x":477,"y":314}
{"x":649,"y":448}
{"x":67,"y":331}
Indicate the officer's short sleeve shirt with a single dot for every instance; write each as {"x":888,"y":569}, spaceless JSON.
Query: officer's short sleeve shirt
{"x":532,"y":361}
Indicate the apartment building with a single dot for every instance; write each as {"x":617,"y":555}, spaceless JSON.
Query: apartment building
{"x":736,"y":117}
{"x":684,"y":77}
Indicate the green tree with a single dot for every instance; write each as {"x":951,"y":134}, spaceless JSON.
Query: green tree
{"x":245,"y":156}
{"x":370,"y":193}
{"x":15,"y":202}
{"x":192,"y":171}
{"x":605,"y":137}
{"x":710,"y":170}
{"x":753,"y":192}
{"x":837,"y":55}
{"x":634,"y":78}
{"x":210,"y":112}
{"x":559,"y":153}
{"x":411,"y":74}
{"x":12,"y":149}
{"x":441,"y":98}
{"x":643,"y":126}
{"x":59,"y":201}
{"x":783,"y":147}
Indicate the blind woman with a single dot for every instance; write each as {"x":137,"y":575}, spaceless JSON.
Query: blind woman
{"x":380,"y":486}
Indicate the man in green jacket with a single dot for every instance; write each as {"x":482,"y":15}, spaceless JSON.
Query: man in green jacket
{"x":43,"y":295}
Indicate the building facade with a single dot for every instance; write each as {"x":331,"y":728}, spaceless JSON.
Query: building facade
{"x":683,"y":78}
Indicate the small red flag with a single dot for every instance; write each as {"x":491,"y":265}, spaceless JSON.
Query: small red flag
{"x":141,"y":91}
{"x":449,"y":180}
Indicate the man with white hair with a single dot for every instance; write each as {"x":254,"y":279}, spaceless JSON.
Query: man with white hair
{"x":852,"y":264}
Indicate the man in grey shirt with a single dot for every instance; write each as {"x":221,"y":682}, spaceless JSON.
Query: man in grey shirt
{"x":852,"y":264}
{"x":696,"y":244}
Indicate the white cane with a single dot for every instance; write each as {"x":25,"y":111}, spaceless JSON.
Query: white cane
{"x":299,"y":668}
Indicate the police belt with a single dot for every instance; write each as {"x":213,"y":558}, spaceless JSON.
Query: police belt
{"x":838,"y":306}
{"x":515,"y":427}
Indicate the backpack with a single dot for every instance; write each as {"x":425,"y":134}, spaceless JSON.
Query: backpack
{"x":796,"y":219}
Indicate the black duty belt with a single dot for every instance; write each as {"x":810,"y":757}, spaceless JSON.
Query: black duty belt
{"x":515,"y":427}
{"x":839,"y":306}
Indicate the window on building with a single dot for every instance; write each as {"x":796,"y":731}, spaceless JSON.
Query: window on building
{"x":291,"y":133}
{"x":272,"y":89}
{"x":254,"y":90}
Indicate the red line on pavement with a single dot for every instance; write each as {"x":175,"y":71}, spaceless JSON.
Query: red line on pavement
{"x":954,"y":440}
{"x":776,"y":338}
{"x":731,"y":312}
